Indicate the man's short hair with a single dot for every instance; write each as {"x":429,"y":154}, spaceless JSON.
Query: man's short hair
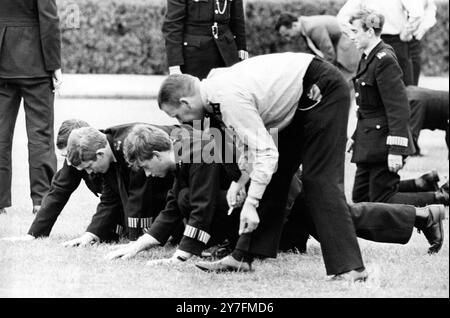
{"x":142,"y":141}
{"x":83,"y":144}
{"x":285,"y":19}
{"x":174,"y":87}
{"x":66,"y":128}
{"x":369,"y":19}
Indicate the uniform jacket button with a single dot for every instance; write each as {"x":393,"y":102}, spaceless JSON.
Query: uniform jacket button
{"x":185,"y":43}
{"x":363,"y":83}
{"x":378,"y":126}
{"x":356,"y":94}
{"x":216,"y":11}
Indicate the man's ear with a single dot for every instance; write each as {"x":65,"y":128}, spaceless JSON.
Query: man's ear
{"x":157,"y":155}
{"x":100,"y":153}
{"x":185,"y":101}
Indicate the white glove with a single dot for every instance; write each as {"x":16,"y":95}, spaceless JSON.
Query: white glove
{"x":395,"y":162}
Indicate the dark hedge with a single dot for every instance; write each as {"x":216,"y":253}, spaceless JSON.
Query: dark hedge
{"x":124,"y":36}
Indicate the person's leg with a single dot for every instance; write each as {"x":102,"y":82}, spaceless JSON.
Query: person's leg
{"x":382,"y":222}
{"x":360,"y":191}
{"x":418,"y":114}
{"x":384,"y":186}
{"x":272,"y":207}
{"x":426,"y":182}
{"x":297,"y":228}
{"x":38,"y":103}
{"x":9,"y":107}
{"x":415,"y":50}
{"x":324,"y":137}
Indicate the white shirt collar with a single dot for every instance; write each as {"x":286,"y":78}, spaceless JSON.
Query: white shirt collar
{"x":370,"y":49}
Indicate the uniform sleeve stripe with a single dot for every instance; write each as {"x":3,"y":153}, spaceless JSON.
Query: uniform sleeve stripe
{"x":397,"y":141}
{"x":197,"y":234}
{"x":146,"y":223}
{"x":119,"y":229}
{"x":133,"y":222}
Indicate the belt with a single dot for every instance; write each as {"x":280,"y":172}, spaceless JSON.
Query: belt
{"x":209,"y":29}
{"x":11,"y":22}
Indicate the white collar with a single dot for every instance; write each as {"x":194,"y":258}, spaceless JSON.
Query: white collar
{"x":370,"y":49}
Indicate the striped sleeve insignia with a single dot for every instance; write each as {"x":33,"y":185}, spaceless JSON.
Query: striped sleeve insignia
{"x":196,"y":234}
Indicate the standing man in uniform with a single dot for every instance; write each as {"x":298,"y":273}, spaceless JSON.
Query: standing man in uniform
{"x":398,"y":14}
{"x":305,"y":100}
{"x":30,"y":70}
{"x":383,"y":135}
{"x":204,"y":34}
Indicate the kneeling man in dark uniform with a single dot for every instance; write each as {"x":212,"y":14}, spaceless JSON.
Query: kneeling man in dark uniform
{"x":123,"y":189}
{"x":197,"y":195}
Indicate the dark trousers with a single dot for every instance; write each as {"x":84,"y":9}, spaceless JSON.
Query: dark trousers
{"x":199,"y":61}
{"x":402,"y":51}
{"x":429,"y":111}
{"x":378,"y":222}
{"x":315,"y":138}
{"x":415,"y":51}
{"x":38,"y":104}
{"x":375,"y":183}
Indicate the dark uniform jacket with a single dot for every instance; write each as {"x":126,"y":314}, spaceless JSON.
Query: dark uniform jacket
{"x":383,"y":114}
{"x":205,"y":182}
{"x":64,"y":183}
{"x":198,"y":33}
{"x":36,"y":24}
{"x":127,"y":190}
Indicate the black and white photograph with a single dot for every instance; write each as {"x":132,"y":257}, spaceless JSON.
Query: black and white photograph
{"x":239,"y":152}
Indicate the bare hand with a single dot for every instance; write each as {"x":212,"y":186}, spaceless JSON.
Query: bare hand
{"x":314,"y":93}
{"x":395,"y":162}
{"x":236,"y":195}
{"x":57,"y":79}
{"x":125,"y":251}
{"x":249,"y":219}
{"x":350,"y":145}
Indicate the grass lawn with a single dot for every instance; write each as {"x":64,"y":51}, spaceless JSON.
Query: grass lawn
{"x":43,"y":268}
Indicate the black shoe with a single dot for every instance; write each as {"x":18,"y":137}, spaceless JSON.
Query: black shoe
{"x":430,"y":181}
{"x":226,"y":264}
{"x":434,"y":230}
{"x":2,"y":210}
{"x":36,"y":209}
{"x":442,"y":195}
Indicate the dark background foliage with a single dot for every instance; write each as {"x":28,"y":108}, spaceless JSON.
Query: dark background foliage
{"x":124,"y":36}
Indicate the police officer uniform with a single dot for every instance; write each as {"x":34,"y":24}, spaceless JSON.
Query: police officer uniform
{"x":124,"y":189}
{"x":30,"y":51}
{"x":204,"y":34}
{"x":383,"y":128}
